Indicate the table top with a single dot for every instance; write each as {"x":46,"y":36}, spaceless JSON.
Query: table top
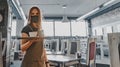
{"x":61,"y":58}
{"x":54,"y":53}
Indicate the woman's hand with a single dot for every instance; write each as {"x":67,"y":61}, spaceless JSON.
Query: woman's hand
{"x":34,"y":39}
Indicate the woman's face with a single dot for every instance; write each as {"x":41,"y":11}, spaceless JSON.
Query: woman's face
{"x":35,"y":13}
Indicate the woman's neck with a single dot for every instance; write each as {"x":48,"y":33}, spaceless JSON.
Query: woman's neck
{"x":33,"y":28}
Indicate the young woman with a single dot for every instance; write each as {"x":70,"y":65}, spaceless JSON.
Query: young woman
{"x":35,"y":54}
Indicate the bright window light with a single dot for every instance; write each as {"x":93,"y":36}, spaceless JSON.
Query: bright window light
{"x":13,"y":32}
{"x":108,"y":29}
{"x":48,"y":28}
{"x":79,"y":29}
{"x":62,"y":29}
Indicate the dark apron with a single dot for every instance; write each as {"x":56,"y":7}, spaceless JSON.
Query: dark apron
{"x":34,"y":56}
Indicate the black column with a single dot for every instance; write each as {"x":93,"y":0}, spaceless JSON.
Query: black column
{"x":4,"y":25}
{"x":70,"y":28}
{"x":54,"y":28}
{"x":3,"y":17}
{"x":89,"y":28}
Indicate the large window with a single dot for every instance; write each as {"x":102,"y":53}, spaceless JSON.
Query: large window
{"x":62,"y":29}
{"x":94,"y":32}
{"x":79,"y":28}
{"x":48,"y":28}
{"x":97,"y":31}
{"x":118,"y":27}
{"x":13,"y":32}
{"x":109,"y":29}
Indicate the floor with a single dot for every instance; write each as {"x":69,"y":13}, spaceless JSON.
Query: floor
{"x":17,"y":63}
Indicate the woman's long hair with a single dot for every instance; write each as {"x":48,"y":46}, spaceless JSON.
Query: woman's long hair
{"x":39,"y":16}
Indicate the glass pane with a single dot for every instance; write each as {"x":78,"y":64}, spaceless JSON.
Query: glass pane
{"x":48,"y":28}
{"x":62,"y":29}
{"x":78,"y":28}
{"x":13,"y":32}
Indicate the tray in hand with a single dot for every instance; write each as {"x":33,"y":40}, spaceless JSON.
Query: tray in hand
{"x":28,"y":37}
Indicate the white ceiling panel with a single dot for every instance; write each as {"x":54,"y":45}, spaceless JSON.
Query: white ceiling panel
{"x":53,"y":8}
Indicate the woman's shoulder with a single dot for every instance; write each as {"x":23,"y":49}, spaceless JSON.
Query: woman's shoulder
{"x":26,"y":28}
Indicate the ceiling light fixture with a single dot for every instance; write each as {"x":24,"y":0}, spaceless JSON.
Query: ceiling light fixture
{"x":84,"y":16}
{"x":65,"y":18}
{"x":109,"y":2}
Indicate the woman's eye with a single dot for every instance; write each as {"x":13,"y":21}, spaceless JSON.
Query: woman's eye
{"x":32,"y":13}
{"x":37,"y":13}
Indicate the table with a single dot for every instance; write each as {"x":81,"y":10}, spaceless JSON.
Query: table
{"x":62,"y":60}
{"x":54,"y":53}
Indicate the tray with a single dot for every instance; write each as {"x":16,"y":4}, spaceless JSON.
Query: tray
{"x":28,"y":37}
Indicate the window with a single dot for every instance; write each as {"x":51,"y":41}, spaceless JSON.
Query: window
{"x":48,"y":28}
{"x":79,"y":28}
{"x":108,"y":29}
{"x":13,"y":31}
{"x":62,"y":29}
{"x":99,"y":31}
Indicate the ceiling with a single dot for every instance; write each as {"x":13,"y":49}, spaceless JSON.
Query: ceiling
{"x":53,"y":8}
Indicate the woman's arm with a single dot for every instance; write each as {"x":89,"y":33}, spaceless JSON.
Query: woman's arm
{"x":25,"y":44}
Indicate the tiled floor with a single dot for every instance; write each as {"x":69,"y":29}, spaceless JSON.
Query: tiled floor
{"x":17,"y":63}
